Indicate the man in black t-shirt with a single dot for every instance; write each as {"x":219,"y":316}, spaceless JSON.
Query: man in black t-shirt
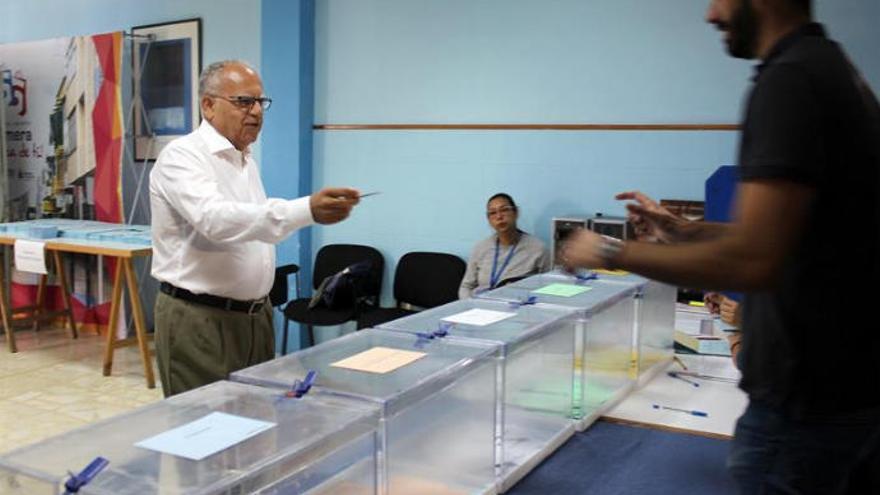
{"x":805,"y":237}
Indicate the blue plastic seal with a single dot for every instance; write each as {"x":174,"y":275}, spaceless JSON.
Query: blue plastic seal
{"x":443,"y":329}
{"x":524,"y":302}
{"x":302,"y":387}
{"x":582,"y":278}
{"x":77,"y":481}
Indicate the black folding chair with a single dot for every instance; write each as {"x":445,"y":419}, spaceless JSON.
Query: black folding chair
{"x":330,"y":260}
{"x":421,"y":280}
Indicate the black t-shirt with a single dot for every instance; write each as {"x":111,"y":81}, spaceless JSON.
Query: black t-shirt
{"x":811,"y":345}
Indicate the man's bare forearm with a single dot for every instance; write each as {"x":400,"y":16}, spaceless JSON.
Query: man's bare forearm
{"x":724,"y":263}
{"x":700,"y":231}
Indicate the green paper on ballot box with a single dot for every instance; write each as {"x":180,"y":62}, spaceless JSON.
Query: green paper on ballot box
{"x":561,"y":290}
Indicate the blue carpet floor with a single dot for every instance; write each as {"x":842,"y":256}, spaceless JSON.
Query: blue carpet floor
{"x":613,"y":459}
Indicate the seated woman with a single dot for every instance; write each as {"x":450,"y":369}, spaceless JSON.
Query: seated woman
{"x":509,"y":253}
{"x":731,"y":313}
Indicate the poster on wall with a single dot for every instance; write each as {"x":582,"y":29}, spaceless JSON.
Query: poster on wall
{"x":167,"y":61}
{"x":4,"y":181}
{"x":31,"y":74}
{"x":63,"y":133}
{"x":51,"y":90}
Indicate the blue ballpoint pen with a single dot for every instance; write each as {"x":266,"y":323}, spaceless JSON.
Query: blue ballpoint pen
{"x":688,"y":411}
{"x":674,"y":374}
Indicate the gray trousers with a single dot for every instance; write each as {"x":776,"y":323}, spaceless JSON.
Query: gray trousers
{"x":197,"y":345}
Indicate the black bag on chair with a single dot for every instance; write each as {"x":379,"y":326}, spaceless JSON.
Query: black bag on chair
{"x":341,"y":289}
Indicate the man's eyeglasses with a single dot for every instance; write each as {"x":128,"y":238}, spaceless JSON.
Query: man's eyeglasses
{"x":504,"y":210}
{"x":247,"y":102}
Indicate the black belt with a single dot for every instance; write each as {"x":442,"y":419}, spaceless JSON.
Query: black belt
{"x":249,"y":307}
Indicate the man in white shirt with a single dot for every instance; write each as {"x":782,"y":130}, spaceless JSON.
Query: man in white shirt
{"x":214,"y":236}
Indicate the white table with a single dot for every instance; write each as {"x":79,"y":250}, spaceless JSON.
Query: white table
{"x":124,"y":253}
{"x":723,"y":401}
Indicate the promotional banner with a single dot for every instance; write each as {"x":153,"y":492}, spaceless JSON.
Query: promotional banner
{"x":31,"y":74}
{"x":64,"y":137}
{"x":107,"y":125}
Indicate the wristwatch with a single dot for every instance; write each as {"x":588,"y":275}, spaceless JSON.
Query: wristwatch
{"x":608,"y":249}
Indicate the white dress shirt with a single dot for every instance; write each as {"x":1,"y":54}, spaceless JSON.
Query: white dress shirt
{"x":214,"y":230}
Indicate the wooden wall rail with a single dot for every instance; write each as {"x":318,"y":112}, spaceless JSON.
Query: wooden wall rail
{"x":526,"y":127}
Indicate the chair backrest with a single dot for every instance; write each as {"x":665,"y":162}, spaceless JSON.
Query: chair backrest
{"x":333,"y":258}
{"x":278,"y":294}
{"x":428,"y":280}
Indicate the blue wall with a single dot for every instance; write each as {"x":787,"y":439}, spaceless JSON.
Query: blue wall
{"x":288,"y":53}
{"x":521,"y":61}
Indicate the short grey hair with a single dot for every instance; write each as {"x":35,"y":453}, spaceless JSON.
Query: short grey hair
{"x":209,"y":80}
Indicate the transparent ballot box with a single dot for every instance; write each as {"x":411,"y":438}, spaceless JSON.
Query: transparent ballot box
{"x":603,"y":341}
{"x":437,"y":399}
{"x":535,"y":388}
{"x":655,"y":323}
{"x":316,"y":444}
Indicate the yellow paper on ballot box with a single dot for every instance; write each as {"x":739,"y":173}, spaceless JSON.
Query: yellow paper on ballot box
{"x":617,"y":273}
{"x":379,"y":360}
{"x":561,"y":290}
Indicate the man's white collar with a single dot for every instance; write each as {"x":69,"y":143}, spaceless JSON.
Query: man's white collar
{"x":216,"y":142}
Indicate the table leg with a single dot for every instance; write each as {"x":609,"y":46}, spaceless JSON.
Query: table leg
{"x":115,"y":301}
{"x":38,"y":304}
{"x":4,"y":309}
{"x":65,"y":292}
{"x":140,"y":323}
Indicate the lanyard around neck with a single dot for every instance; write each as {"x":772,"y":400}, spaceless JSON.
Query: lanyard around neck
{"x":496,"y":277}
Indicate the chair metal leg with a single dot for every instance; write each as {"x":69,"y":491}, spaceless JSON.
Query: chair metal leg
{"x":311,"y":335}
{"x":284,"y":337}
